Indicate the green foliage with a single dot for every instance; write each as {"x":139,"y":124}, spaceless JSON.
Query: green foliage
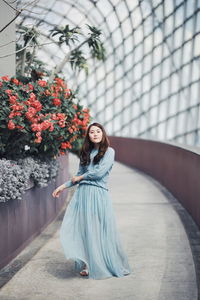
{"x":77,"y":60}
{"x":29,"y":34}
{"x":97,"y":48}
{"x":66,"y":35}
{"x":29,"y":65}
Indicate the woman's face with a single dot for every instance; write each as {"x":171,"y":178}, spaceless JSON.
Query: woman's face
{"x":95,"y":134}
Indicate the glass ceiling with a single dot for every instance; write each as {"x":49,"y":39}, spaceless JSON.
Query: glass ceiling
{"x":149,"y":85}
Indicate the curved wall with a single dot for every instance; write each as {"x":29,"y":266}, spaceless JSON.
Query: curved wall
{"x":21,"y":221}
{"x":176,"y":168}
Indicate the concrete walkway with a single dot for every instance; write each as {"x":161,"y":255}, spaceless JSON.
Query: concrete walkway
{"x":154,"y":240}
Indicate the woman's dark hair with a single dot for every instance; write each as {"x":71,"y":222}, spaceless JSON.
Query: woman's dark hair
{"x":88,"y":146}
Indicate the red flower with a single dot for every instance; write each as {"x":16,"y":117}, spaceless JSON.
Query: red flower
{"x":56,"y":102}
{"x":55,"y":94}
{"x":37,"y":105}
{"x":42,"y":121}
{"x":36,"y":127}
{"x":11,"y":115}
{"x":27,"y":102}
{"x":61,"y":116}
{"x":68,"y":93}
{"x":32,"y":97}
{"x":12,"y":99}
{"x":60,"y":82}
{"x":84,"y":123}
{"x":54,"y":117}
{"x":38,"y":134}
{"x":61,"y":123}
{"x":29,"y":116}
{"x":31,"y":87}
{"x":32,"y":111}
{"x":77,"y":121}
{"x":17,"y":113}
{"x":5,"y":78}
{"x":9,"y":92}
{"x":51,"y":127}
{"x":17,"y":107}
{"x":15,"y":81}
{"x":75,"y":106}
{"x":11,"y":125}
{"x":38,"y":140}
{"x":45,"y":125}
{"x":42,"y":83}
{"x":33,"y":120}
{"x":62,"y":153}
{"x":66,"y":145}
{"x":73,"y":138}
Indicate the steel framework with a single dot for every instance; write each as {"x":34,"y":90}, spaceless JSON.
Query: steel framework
{"x":149,"y":85}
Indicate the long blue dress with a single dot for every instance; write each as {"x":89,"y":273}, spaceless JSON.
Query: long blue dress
{"x":88,"y":232}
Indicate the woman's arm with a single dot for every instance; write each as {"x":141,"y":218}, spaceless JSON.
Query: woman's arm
{"x":101,"y":168}
{"x":70,"y":182}
{"x":58,"y":190}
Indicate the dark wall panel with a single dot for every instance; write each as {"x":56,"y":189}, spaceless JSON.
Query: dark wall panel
{"x":21,"y":221}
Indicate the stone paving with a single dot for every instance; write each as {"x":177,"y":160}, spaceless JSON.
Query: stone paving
{"x":154,"y":239}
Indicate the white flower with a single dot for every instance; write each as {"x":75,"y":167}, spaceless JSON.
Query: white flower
{"x":26,"y":147}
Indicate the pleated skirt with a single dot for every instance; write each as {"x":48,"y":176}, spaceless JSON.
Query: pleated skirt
{"x":88,"y":234}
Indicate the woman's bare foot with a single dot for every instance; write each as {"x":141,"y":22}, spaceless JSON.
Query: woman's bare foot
{"x":85,"y":271}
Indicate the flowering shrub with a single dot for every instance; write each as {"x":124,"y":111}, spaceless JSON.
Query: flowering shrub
{"x":12,"y":180}
{"x":39,"y":118}
{"x":41,"y":172}
{"x":15,"y":175}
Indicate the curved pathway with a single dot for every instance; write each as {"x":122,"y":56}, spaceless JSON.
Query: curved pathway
{"x":154,"y":240}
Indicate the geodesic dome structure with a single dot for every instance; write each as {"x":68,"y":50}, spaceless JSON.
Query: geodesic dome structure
{"x":149,"y":85}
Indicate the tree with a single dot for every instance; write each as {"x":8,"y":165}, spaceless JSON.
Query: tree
{"x":29,"y":65}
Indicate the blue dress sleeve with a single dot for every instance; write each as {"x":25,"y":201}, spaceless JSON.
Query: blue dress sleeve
{"x":102,"y":167}
{"x":80,"y":171}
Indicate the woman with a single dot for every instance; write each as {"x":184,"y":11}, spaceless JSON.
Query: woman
{"x":88,"y":232}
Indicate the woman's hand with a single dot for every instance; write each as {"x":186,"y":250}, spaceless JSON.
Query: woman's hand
{"x":56,"y":192}
{"x":76,"y":179}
